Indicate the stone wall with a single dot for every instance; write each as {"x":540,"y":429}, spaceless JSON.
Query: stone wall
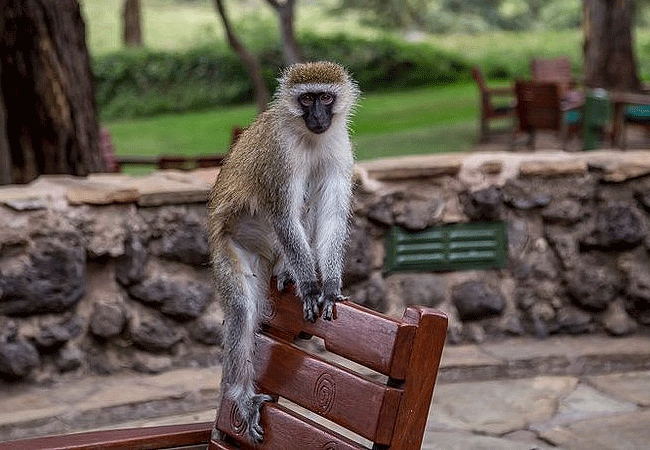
{"x":110,"y":272}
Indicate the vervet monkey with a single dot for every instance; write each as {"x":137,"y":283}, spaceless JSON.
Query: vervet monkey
{"x":280,"y":206}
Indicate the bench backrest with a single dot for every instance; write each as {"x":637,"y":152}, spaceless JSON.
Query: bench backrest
{"x":382,"y":398}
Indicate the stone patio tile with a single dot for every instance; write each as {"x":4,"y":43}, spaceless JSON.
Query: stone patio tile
{"x":466,"y":356}
{"x":502,"y":408}
{"x":441,"y":440}
{"x":623,"y":432}
{"x":574,"y":354}
{"x":584,"y":403}
{"x":632,"y":386}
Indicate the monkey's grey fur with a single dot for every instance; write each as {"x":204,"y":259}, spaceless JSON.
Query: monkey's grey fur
{"x":280,"y":206}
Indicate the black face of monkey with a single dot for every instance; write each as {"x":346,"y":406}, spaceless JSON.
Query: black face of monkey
{"x":317,"y":110}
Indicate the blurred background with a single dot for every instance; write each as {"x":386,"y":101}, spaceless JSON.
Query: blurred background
{"x":179,"y":88}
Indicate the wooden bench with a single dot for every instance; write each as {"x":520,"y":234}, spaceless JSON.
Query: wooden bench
{"x":371,"y":389}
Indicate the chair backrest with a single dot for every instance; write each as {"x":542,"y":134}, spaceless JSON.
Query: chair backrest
{"x":538,"y":105}
{"x":553,"y":70}
{"x":478,"y":77}
{"x":389,"y":409}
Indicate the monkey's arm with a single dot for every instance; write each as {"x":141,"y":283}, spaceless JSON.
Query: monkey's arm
{"x":331,"y":235}
{"x":295,"y":247}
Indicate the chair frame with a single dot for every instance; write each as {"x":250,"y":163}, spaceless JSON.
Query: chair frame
{"x":488,"y":110}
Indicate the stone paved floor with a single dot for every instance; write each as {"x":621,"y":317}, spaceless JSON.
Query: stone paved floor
{"x":521,"y":394}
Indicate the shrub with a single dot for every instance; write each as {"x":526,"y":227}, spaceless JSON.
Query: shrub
{"x":143,"y":83}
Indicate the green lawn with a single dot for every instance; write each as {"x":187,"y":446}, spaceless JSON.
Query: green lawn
{"x":426,"y":120}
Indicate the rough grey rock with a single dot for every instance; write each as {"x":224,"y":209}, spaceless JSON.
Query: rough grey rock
{"x":522,"y":197}
{"x":370,"y":293}
{"x":358,"y":255}
{"x":476,"y":300}
{"x":52,"y":280}
{"x":482,"y":205}
{"x":69,"y":358}
{"x":108,"y":320}
{"x":187,"y":242}
{"x":206,"y":330}
{"x":17,"y":359}
{"x":154,"y":333}
{"x":426,"y":289}
{"x":617,"y":321}
{"x":54,"y":333}
{"x":571,"y":320}
{"x":409,"y":211}
{"x":129,"y":267}
{"x":618,"y":227}
{"x":643,"y":197}
{"x":565,"y":212}
{"x":593,"y":286}
{"x":181,"y":299}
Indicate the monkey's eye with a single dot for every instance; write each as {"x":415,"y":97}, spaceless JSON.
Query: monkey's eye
{"x":306,"y":99}
{"x":326,"y":98}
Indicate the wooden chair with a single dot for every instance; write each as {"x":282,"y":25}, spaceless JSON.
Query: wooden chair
{"x":540,"y":107}
{"x":553,"y":70}
{"x":374,"y":387}
{"x":489,"y":108}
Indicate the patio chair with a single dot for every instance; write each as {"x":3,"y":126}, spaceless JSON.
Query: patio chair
{"x":491,"y":109}
{"x":553,"y":70}
{"x":540,"y":108}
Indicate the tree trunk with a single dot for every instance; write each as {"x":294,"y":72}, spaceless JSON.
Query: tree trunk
{"x":132,"y":23}
{"x":286,"y":13}
{"x":609,"y":60}
{"x":252,"y":66}
{"x":48,"y":90}
{"x":5,"y":153}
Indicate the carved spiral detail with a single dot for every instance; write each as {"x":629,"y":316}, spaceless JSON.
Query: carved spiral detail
{"x":324,"y":393}
{"x":331,"y":445}
{"x":237,"y":424}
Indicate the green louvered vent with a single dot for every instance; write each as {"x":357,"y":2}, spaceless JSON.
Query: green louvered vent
{"x":464,"y":246}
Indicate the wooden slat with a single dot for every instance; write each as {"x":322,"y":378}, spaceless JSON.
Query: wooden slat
{"x":148,"y":438}
{"x":421,"y":379}
{"x":284,"y":429}
{"x":385,"y":343}
{"x":336,"y":393}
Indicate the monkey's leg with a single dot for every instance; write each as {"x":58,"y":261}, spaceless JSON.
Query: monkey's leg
{"x":239,"y":283}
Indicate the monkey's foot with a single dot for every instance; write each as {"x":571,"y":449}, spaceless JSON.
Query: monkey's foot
{"x":284,"y":280}
{"x":255,"y":431}
{"x":327,"y":303}
{"x":310,"y":293}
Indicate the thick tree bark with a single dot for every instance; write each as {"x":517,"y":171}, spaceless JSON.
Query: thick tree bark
{"x":5,"y":153}
{"x":286,"y":13}
{"x":252,"y":66}
{"x":48,"y":90}
{"x":132,"y":32}
{"x":609,"y":60}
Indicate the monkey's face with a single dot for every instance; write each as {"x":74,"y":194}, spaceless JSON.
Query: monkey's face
{"x":317,"y":110}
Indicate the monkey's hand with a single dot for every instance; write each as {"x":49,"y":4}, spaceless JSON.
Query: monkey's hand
{"x":255,"y":431}
{"x":331,"y":295}
{"x":284,"y":280}
{"x":310,"y":294}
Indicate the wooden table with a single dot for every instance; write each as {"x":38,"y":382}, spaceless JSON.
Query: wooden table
{"x":619,"y":100}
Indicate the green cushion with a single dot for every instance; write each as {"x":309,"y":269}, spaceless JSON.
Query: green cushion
{"x":573,"y":117}
{"x":637,"y":114}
